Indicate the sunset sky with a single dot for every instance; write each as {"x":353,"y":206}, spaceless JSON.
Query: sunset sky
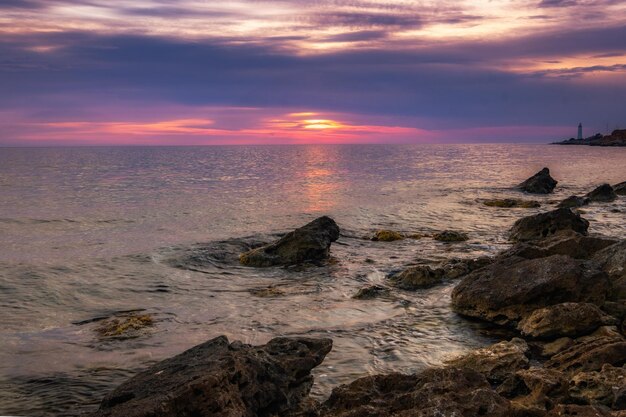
{"x":100,"y":72}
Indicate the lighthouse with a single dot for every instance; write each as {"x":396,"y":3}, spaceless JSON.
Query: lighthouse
{"x":580,"y":130}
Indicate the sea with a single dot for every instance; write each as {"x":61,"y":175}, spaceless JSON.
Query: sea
{"x":87,"y":234}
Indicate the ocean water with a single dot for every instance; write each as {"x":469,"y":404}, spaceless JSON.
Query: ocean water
{"x":86,"y":233}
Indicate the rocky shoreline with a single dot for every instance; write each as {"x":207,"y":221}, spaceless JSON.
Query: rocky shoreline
{"x":561,"y":288}
{"x":616,"y":138}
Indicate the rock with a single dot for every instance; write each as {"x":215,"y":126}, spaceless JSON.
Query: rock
{"x":417,"y":277}
{"x":309,"y":243}
{"x":456,"y":268}
{"x":542,"y":225}
{"x":370,"y":292}
{"x":603,"y":193}
{"x":564,"y":320}
{"x":620,"y":188}
{"x":218,"y":378}
{"x":450,"y":236}
{"x":572,"y":410}
{"x":540,"y":183}
{"x":564,"y":243}
{"x":590,"y":353}
{"x":495,"y":362}
{"x":552,"y":348}
{"x":598,"y":387}
{"x":435,"y":392}
{"x":573,"y":202}
{"x":612,"y":260}
{"x":535,"y":390}
{"x":511,"y":288}
{"x":125,"y":326}
{"x":387,"y":236}
{"x":267,"y":292}
{"x":512,"y":203}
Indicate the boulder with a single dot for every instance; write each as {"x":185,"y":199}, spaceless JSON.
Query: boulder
{"x":309,"y":243}
{"x":218,"y":378}
{"x":612,"y":260}
{"x":450,"y":236}
{"x":598,"y":387}
{"x":603,"y":193}
{"x":620,"y":188}
{"x":371,"y":291}
{"x":434,"y":392}
{"x":540,"y":183}
{"x":511,"y":288}
{"x":564,"y":320}
{"x":589,"y":353}
{"x":512,"y":203}
{"x":417,"y":277}
{"x":573,"y":202}
{"x":564,"y":243}
{"x":387,"y":236}
{"x":495,"y":362}
{"x":542,"y":225}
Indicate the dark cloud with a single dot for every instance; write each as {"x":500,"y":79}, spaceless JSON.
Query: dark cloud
{"x":365,"y":20}
{"x":361,"y":35}
{"x":558,"y":3}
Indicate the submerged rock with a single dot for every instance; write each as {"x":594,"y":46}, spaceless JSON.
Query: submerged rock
{"x":573,"y":202}
{"x":620,"y":188}
{"x":511,"y":288}
{"x":218,"y":378}
{"x":371,"y":291}
{"x":603,"y":193}
{"x":540,"y":183}
{"x":565,"y":319}
{"x":126,"y":326}
{"x":387,"y":236}
{"x":495,"y":362}
{"x":450,"y":236}
{"x":542,"y":225}
{"x":512,"y":203}
{"x":434,"y":392}
{"x":417,"y":277}
{"x":267,"y":292}
{"x":309,"y":243}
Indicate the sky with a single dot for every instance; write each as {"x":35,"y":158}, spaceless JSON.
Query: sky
{"x":201,"y":72}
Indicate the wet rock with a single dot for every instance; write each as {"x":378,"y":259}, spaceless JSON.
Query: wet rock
{"x":612,"y":260}
{"x":589,"y":353}
{"x":218,"y":378}
{"x":573,"y":202}
{"x":598,"y":387}
{"x":387,"y":236}
{"x":267,"y":292}
{"x":371,"y":291}
{"x":540,"y":183}
{"x":456,"y":268}
{"x":511,"y":288}
{"x":564,"y":320}
{"x":620,"y":188}
{"x":125,"y":326}
{"x":432,"y":393}
{"x":495,"y":362}
{"x":564,"y":243}
{"x":603,"y":193}
{"x":572,"y":410}
{"x":512,"y":203}
{"x":309,"y":243}
{"x":542,"y":225}
{"x":417,"y":277}
{"x":450,"y":236}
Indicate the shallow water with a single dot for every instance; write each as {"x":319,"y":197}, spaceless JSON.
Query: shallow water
{"x":86,"y":233}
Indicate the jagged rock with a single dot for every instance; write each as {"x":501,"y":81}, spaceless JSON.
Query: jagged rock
{"x":612,"y":260}
{"x":417,"y":277}
{"x":603,"y":193}
{"x":573,"y":202}
{"x":542,"y":225}
{"x":495,"y":362}
{"x":565,"y":319}
{"x":540,"y":183}
{"x":456,"y":268}
{"x":535,"y":390}
{"x":511,"y":288}
{"x":572,"y":410}
{"x":598,"y":387}
{"x":620,"y":188}
{"x":371,"y":291}
{"x":589,"y":353}
{"x":512,"y":203}
{"x":218,"y":378}
{"x":387,"y":236}
{"x":435,"y":392}
{"x":309,"y":243}
{"x":564,"y":243}
{"x":450,"y":236}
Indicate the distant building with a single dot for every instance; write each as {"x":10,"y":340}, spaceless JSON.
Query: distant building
{"x":580,"y":130}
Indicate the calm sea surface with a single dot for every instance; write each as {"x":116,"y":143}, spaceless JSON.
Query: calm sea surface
{"x":90,"y":232}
